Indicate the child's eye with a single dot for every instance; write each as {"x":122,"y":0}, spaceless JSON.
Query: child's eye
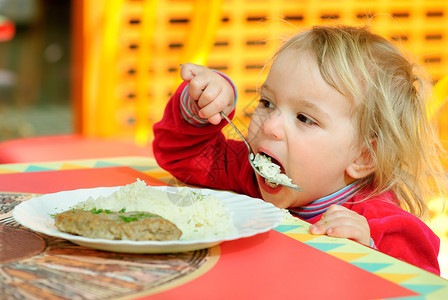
{"x":266,"y":103}
{"x":304,"y":119}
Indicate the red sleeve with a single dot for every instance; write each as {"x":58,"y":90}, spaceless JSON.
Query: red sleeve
{"x":401,"y":234}
{"x":201,"y":155}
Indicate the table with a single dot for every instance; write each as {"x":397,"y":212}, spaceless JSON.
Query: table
{"x":285,"y":263}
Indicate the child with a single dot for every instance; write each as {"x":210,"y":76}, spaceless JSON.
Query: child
{"x":343,"y":114}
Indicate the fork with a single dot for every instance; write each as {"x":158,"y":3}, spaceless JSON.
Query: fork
{"x":252,"y":156}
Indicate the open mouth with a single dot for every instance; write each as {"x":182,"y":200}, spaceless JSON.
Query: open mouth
{"x":277,"y":163}
{"x":270,"y":168}
{"x":274,"y":161}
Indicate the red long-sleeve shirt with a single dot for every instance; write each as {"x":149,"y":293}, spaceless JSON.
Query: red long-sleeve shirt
{"x":201,"y":156}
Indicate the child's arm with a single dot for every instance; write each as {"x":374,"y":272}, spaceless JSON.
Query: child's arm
{"x":195,"y":151}
{"x":339,"y":221}
{"x":212,"y":91}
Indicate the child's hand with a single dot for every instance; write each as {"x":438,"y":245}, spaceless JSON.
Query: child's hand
{"x":339,"y":221}
{"x":212,"y":91}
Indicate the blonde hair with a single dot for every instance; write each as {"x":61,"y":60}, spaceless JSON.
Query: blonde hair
{"x":390,"y":109}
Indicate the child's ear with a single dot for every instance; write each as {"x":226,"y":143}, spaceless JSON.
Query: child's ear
{"x":363,"y":165}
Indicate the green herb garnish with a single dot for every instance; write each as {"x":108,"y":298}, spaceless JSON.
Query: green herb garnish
{"x":128,"y":219}
{"x":98,"y":211}
{"x":198,"y":196}
{"x":135,"y":217}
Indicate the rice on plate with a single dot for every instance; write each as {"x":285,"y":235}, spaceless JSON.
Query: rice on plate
{"x":200,"y":217}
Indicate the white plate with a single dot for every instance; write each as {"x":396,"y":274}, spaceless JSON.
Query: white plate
{"x":251,"y":216}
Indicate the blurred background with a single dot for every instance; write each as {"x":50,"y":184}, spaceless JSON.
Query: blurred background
{"x":105,"y":69}
{"x":35,"y":69}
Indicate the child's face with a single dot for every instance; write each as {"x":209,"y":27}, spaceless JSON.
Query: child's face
{"x":306,"y":126}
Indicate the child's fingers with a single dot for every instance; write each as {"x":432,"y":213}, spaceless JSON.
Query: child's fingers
{"x":208,"y":96}
{"x":323,"y":225}
{"x":199,"y":86}
{"x":199,"y":78}
{"x":341,"y":222}
{"x":215,"y":98}
{"x":318,"y":228}
{"x":327,"y":220}
{"x":210,"y":104}
{"x":188,"y":71}
{"x":215,"y":119}
{"x":353,"y":232}
{"x":335,"y":209}
{"x":212,"y":112}
{"x":211,"y":91}
{"x":350,"y":232}
{"x":342,"y":229}
{"x":337,"y":215}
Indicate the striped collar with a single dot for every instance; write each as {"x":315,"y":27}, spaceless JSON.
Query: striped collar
{"x":319,"y":206}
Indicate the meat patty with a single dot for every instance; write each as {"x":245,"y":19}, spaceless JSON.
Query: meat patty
{"x":134,"y":226}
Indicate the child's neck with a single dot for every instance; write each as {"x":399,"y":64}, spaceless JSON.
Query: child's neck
{"x":319,"y":206}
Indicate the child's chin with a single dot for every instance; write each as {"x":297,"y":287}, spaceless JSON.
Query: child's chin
{"x":268,"y":187}
{"x":276,"y":201}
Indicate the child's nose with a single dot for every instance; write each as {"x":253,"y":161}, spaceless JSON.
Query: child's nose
{"x":273,"y":126}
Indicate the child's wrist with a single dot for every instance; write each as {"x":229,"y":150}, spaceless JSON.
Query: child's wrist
{"x":189,"y":109}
